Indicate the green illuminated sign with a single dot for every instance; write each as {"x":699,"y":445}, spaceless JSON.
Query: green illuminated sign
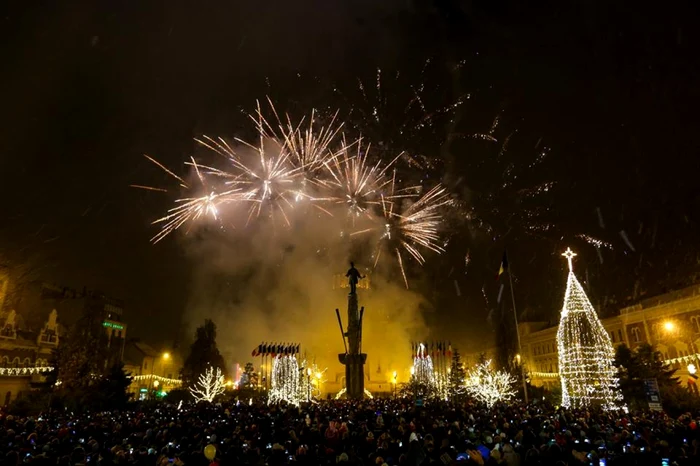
{"x":113,"y":325}
{"x":143,"y":390}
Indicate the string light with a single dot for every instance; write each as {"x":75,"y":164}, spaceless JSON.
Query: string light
{"x":21,"y":371}
{"x":285,"y":380}
{"x":164,"y":380}
{"x":209,"y":386}
{"x":586,"y":353}
{"x":489,"y":386}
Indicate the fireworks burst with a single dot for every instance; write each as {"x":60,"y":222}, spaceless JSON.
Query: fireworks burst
{"x":514,"y":205}
{"x":267,"y":179}
{"x":290,"y":163}
{"x":414,"y":115}
{"x":416,"y":227}
{"x":356,"y":183}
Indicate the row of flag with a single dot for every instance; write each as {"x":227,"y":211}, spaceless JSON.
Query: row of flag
{"x":273,"y":349}
{"x":432,"y":349}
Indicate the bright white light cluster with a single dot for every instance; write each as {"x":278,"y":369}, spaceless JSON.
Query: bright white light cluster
{"x":586,"y":353}
{"x":423,"y":372}
{"x":285,"y":380}
{"x":490,"y":386}
{"x":209,"y":386}
{"x":342,"y":392}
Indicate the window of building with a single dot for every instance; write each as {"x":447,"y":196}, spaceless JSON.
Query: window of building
{"x":619,"y":334}
{"x":695,"y":320}
{"x":635,"y":335}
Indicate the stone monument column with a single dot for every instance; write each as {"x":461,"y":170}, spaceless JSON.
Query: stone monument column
{"x":354,"y":360}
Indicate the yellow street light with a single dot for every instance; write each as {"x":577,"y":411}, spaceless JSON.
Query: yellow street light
{"x":692,"y":369}
{"x":319,"y":375}
{"x":166,"y":355}
{"x":156,"y":383}
{"x":669,"y":326}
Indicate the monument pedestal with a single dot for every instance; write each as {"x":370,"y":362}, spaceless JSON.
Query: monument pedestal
{"x":354,"y":360}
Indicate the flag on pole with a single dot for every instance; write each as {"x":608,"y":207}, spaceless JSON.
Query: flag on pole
{"x":504,"y":265}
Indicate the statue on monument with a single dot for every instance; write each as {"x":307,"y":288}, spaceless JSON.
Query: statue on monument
{"x":354,"y":277}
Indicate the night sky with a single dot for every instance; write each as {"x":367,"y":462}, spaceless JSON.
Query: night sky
{"x":611,"y":88}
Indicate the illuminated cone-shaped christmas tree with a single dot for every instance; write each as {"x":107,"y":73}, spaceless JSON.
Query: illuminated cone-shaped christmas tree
{"x":588,"y":377}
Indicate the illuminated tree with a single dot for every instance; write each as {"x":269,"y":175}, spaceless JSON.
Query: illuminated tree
{"x":423,"y":373}
{"x":210,"y":385}
{"x":458,"y":377}
{"x":490,"y":386}
{"x":586,"y":354}
{"x":285,"y":380}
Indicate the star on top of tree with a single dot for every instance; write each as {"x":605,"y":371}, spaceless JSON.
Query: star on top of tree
{"x":569,"y":254}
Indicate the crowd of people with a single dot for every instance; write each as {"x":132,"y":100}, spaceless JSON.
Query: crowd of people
{"x":372,"y":432}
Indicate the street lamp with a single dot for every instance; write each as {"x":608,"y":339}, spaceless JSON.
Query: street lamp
{"x":681,"y":333}
{"x":692,"y":369}
{"x":166,"y":355}
{"x":318,"y":376}
{"x":394,"y":382}
{"x":308,"y":384}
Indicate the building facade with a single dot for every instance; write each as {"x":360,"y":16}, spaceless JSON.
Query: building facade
{"x":25,"y":356}
{"x":153,"y":372}
{"x":670,"y":322}
{"x":30,"y":334}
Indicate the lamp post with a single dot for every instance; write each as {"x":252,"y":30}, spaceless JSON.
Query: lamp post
{"x":165,"y":360}
{"x":318,"y":382}
{"x":394,"y":382}
{"x":308,"y":384}
{"x":155,"y":387}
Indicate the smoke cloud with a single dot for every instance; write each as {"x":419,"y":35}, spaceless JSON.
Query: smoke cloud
{"x":266,"y":280}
